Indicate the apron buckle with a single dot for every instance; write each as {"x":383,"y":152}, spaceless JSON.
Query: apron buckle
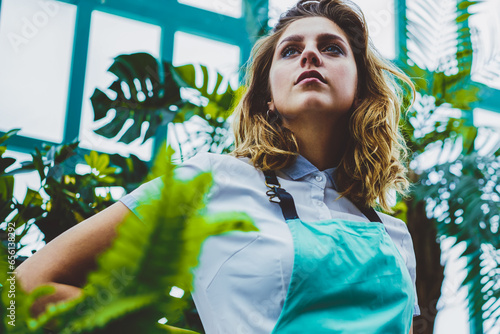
{"x":273,"y":196}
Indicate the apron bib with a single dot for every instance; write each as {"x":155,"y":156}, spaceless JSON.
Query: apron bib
{"x":348,"y":277}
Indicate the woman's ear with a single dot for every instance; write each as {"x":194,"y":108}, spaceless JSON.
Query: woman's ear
{"x":270,"y":105}
{"x":357,"y":102}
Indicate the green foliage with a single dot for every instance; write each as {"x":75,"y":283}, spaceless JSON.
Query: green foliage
{"x":459,"y":191}
{"x":149,"y":92}
{"x":69,"y":197}
{"x":6,"y":181}
{"x":152,"y":95}
{"x":14,"y":214}
{"x":65,"y":197}
{"x":131,"y":289}
{"x":14,"y":302}
{"x":464,"y":198}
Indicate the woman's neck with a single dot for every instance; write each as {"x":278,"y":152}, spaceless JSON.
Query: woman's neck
{"x":320,"y":143}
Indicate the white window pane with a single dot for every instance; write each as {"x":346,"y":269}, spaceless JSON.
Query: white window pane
{"x":379,"y":15}
{"x":111,"y":36}
{"x":486,"y":25}
{"x":225,"y":7}
{"x":36,"y":42}
{"x":217,"y":56}
{"x":278,"y":7}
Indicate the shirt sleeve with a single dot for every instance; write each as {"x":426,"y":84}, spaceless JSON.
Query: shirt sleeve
{"x":398,"y":231}
{"x":411,"y":264}
{"x":151,"y":191}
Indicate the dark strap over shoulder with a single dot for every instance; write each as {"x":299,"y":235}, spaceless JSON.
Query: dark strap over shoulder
{"x":369,"y":213}
{"x":285,"y":200}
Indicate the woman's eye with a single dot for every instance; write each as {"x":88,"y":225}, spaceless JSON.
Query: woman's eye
{"x":334,"y":48}
{"x":289,"y":51}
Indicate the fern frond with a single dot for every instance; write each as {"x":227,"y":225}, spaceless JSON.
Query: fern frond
{"x":130,"y":290}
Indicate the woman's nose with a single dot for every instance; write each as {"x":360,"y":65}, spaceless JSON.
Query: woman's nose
{"x":311,"y":57}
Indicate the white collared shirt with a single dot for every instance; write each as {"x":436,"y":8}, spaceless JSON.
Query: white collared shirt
{"x":242,"y":279}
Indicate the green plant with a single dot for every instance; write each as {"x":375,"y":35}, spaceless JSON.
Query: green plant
{"x":450,"y":198}
{"x":13,"y":213}
{"x":138,"y":272}
{"x":65,"y":197}
{"x":150,"y":92}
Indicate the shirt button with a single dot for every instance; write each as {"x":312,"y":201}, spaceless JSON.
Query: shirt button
{"x":319,"y":178}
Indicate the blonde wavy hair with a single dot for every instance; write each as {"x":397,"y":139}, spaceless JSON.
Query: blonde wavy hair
{"x":372,"y":165}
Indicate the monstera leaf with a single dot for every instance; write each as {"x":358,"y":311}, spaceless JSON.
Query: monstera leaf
{"x":144,"y":93}
{"x":148,"y":91}
{"x":218,"y":104}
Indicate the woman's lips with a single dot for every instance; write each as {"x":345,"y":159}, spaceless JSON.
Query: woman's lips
{"x":310,"y":80}
{"x":310,"y":76}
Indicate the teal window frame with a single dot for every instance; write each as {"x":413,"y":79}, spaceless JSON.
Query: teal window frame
{"x":172,"y":16}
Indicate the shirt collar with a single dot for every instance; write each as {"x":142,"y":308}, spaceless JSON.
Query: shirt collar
{"x":302,"y":167}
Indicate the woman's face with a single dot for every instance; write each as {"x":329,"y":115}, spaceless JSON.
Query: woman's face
{"x":313,"y":72}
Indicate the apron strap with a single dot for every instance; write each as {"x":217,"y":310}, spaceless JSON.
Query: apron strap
{"x":285,"y":200}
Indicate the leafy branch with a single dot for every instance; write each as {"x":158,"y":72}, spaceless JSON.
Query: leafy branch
{"x":131,"y":289}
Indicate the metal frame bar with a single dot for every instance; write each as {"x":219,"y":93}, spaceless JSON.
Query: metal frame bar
{"x":400,"y":29}
{"x":25,"y":144}
{"x":166,"y":53}
{"x":78,"y":70}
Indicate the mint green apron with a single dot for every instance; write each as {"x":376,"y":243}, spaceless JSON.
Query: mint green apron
{"x":348,"y":277}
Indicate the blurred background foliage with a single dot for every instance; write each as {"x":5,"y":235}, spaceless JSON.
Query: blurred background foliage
{"x":455,"y":197}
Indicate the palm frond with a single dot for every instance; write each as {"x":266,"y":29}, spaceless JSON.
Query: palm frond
{"x":439,"y":36}
{"x":461,"y":192}
{"x":465,"y":201}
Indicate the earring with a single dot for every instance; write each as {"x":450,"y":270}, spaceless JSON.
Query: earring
{"x":272,"y":116}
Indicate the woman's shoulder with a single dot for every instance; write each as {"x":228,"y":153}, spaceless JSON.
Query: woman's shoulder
{"x":398,"y":231}
{"x":215,"y":163}
{"x":393,"y":222}
{"x":397,"y":228}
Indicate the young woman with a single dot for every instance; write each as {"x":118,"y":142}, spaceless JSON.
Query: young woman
{"x":317,"y":147}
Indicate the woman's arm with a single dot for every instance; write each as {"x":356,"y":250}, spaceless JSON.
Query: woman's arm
{"x":65,"y":261}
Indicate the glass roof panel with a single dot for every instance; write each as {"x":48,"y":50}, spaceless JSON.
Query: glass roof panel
{"x":111,"y":36}
{"x":225,"y":7}
{"x":36,"y":43}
